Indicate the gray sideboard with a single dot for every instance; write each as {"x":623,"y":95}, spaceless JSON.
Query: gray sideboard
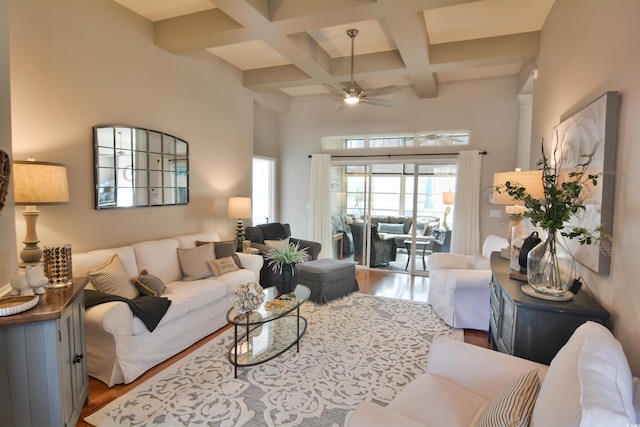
{"x":43,"y":368}
{"x":530,"y":327}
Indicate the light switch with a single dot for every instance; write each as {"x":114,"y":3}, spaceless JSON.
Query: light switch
{"x":494,"y":213}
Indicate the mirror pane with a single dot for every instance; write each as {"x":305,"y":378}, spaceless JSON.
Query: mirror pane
{"x":169,"y":196}
{"x":140,"y":140}
{"x":140,"y":178}
{"x":169,"y":144}
{"x":182,"y":196}
{"x":155,"y":142}
{"x":104,"y":137}
{"x":156,"y":196}
{"x":155,"y":161}
{"x":105,"y":197}
{"x":123,"y":138}
{"x":181,"y":147}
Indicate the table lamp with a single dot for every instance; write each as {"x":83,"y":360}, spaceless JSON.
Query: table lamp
{"x":448,"y":197}
{"x":239,"y":208}
{"x":532,"y":181}
{"x":37,"y":183}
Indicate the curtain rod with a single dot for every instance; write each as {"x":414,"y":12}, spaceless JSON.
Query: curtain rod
{"x":402,"y":155}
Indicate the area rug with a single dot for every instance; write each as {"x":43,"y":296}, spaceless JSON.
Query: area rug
{"x":356,"y":348}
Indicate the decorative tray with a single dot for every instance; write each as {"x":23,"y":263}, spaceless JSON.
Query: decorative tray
{"x":15,"y":305}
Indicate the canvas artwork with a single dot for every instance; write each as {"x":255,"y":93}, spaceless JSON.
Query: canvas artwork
{"x":575,"y":136}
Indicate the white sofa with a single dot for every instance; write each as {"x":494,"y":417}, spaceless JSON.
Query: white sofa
{"x":120,"y":347}
{"x":587,"y":384}
{"x":459,"y":285}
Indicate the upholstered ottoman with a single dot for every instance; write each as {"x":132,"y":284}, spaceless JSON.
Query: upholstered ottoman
{"x":328,"y":279}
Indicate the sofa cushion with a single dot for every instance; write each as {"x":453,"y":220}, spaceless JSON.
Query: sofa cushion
{"x":449,"y":404}
{"x":113,"y":278}
{"x":148,"y":284}
{"x":199,"y":293}
{"x":194,"y":262}
{"x":82,"y":263}
{"x":159,"y":258}
{"x":222,"y":266}
{"x":588,"y":383}
{"x":514,"y":405}
{"x":235,"y":278}
{"x":384,"y":227}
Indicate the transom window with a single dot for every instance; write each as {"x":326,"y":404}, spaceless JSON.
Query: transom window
{"x":420,"y":139}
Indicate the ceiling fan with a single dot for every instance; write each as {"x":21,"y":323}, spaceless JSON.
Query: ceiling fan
{"x":354,"y":94}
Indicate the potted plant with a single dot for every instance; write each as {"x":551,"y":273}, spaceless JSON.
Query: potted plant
{"x":283,"y":262}
{"x":550,"y":266}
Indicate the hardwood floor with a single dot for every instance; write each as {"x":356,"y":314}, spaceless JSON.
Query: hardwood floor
{"x":372,"y":282}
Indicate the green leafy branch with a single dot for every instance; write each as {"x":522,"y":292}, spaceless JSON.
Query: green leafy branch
{"x":563,"y":198}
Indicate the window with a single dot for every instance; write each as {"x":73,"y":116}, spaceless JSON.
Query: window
{"x":263,"y":197}
{"x":420,"y":139}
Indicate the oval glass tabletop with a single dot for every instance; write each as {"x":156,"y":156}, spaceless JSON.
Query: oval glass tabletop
{"x":273,"y":306}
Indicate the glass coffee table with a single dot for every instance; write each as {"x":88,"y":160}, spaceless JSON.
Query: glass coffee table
{"x":269,"y":331}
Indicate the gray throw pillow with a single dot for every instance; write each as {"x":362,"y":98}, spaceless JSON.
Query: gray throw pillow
{"x":148,"y":284}
{"x":224,"y":249}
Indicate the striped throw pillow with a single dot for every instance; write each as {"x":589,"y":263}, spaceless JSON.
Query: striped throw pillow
{"x":514,"y":405}
{"x":114,"y":279}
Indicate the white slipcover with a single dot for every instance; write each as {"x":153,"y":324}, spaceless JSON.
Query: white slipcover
{"x":120,"y":348}
{"x":587,"y":384}
{"x":459,"y":286}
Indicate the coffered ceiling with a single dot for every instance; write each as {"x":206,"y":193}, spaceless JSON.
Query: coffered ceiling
{"x":294,"y":46}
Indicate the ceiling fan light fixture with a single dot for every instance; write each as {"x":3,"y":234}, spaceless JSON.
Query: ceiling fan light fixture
{"x":352,"y":99}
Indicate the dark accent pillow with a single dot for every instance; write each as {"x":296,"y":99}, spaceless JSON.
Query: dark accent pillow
{"x":148,"y":284}
{"x":224,"y":249}
{"x":273,"y":231}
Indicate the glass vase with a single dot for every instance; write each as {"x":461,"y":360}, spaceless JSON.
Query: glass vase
{"x":550,"y":267}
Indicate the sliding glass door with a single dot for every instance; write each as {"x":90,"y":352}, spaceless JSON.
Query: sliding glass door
{"x":387,"y":214}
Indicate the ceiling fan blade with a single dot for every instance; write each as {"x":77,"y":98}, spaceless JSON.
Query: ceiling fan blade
{"x":379,"y":102}
{"x":382,"y":90}
{"x":343,"y":106}
{"x":335,"y":89}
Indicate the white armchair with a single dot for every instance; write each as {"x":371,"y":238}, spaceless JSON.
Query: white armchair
{"x":459,"y":285}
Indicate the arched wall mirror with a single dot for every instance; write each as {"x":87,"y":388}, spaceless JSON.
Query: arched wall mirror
{"x":137,"y":167}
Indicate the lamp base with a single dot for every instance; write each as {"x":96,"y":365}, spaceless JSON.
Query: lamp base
{"x":239,"y":235}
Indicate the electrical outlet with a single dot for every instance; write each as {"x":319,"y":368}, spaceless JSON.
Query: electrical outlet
{"x":493,"y":213}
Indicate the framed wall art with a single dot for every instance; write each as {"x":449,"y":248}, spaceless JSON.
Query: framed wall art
{"x":576,"y":135}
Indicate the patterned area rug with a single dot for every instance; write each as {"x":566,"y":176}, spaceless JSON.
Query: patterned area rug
{"x":356,"y":348}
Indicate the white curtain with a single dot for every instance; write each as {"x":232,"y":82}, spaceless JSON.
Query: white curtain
{"x":465,"y":237}
{"x":320,"y":204}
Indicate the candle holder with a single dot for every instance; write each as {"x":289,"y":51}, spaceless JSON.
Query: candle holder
{"x":57,"y":265}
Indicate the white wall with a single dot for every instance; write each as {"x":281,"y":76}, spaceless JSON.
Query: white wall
{"x":488,"y":107}
{"x":589,"y":48}
{"x":76,"y":64}
{"x":7,"y":218}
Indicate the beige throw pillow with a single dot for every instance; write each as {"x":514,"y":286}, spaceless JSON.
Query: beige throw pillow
{"x":193,"y":261}
{"x":514,"y":405}
{"x":114,"y":279}
{"x":280,"y":244}
{"x":222,"y":266}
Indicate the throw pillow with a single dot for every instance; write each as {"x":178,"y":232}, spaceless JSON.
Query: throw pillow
{"x":280,"y":244}
{"x":148,"y":284}
{"x":384,"y":227}
{"x":514,"y":405}
{"x":222,"y":266}
{"x":114,"y":279}
{"x":224,"y":249}
{"x":193,"y":262}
